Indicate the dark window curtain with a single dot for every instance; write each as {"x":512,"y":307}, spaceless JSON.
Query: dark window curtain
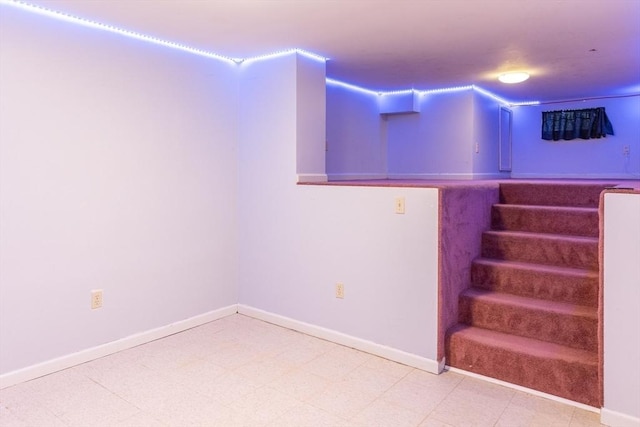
{"x":571,"y":124}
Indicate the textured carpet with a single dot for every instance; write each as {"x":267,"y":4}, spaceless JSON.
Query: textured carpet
{"x":530,"y":316}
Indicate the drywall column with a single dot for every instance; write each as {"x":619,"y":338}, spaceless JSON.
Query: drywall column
{"x":297,"y":241}
{"x":621,"y":309}
{"x":310,"y":119}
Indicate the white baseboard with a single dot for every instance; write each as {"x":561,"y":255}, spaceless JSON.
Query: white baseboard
{"x":396,"y":355}
{"x":618,"y":419}
{"x":575,"y":176}
{"x":456,"y":176}
{"x":312,"y":177}
{"x":67,"y":361}
{"x":356,"y":176}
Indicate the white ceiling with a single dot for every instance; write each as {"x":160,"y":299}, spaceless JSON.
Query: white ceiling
{"x":572,"y":48}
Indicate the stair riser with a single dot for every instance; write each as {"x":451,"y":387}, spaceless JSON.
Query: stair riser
{"x":571,"y":380}
{"x":551,"y":195}
{"x":575,"y":289}
{"x":570,"y":330}
{"x":575,"y":223}
{"x":558,"y":252}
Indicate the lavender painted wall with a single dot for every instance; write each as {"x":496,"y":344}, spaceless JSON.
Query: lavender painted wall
{"x":534,"y":157}
{"x":117,"y":172}
{"x":435,"y":143}
{"x":297,"y":241}
{"x":356,"y":135}
{"x":621,"y":309}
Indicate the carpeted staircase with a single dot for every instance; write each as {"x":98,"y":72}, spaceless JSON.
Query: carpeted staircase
{"x":530,"y":316}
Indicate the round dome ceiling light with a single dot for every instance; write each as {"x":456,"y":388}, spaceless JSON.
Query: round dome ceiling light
{"x":510,"y":78}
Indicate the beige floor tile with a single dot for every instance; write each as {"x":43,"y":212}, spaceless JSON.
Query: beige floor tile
{"x":79,"y":401}
{"x":382,"y":413}
{"x":239,"y":371}
{"x":18,"y":408}
{"x":226,"y":389}
{"x":389,"y":367}
{"x":370,"y":379}
{"x":301,"y":384}
{"x":337,"y":363}
{"x":234,"y":355}
{"x":306,"y":415}
{"x":196,"y":376}
{"x":265,"y":370}
{"x":343,"y":401}
{"x":305,"y":350}
{"x":430,"y":422}
{"x":582,"y":418}
{"x":141,"y":419}
{"x":421,"y":391}
{"x":473,"y":403}
{"x":264,"y":405}
{"x":528,"y":410}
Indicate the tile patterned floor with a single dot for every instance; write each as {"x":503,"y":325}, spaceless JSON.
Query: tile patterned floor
{"x":239,"y":371}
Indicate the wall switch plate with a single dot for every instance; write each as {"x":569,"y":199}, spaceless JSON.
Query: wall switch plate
{"x":626,"y":150}
{"x":477,"y":147}
{"x":399,"y":205}
{"x":339,"y":290}
{"x":96,"y":299}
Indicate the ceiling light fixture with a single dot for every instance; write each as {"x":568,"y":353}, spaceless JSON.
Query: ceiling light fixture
{"x":516,"y":77}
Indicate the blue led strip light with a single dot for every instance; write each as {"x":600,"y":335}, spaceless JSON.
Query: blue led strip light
{"x":97,"y":25}
{"x":302,"y":52}
{"x":135,"y":35}
{"x":349,"y":86}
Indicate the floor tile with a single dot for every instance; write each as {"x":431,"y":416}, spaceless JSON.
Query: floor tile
{"x":239,"y":371}
{"x":582,"y":418}
{"x":528,"y":410}
{"x":342,"y":400}
{"x":264,"y":405}
{"x":301,"y":384}
{"x":473,"y":402}
{"x":307,"y":415}
{"x":383,"y":413}
{"x":422,"y":391}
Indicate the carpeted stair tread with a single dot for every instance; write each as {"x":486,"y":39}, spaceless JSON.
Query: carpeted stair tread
{"x":541,"y":248}
{"x":531,"y":303}
{"x":516,"y":344}
{"x":567,"y":324}
{"x":552,"y":194}
{"x":563,"y":284}
{"x":550,"y":269}
{"x":551,"y":368}
{"x":546,"y":219}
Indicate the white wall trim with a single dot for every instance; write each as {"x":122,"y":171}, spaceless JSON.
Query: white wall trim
{"x":618,"y":419}
{"x":431,"y":176}
{"x":356,"y":176}
{"x":45,"y":368}
{"x":574,"y":176}
{"x":396,"y":355}
{"x":312,"y":177}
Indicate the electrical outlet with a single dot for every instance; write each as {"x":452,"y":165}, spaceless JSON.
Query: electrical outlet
{"x":399,"y":205}
{"x":626,"y":150}
{"x":96,"y":299}
{"x":339,"y":290}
